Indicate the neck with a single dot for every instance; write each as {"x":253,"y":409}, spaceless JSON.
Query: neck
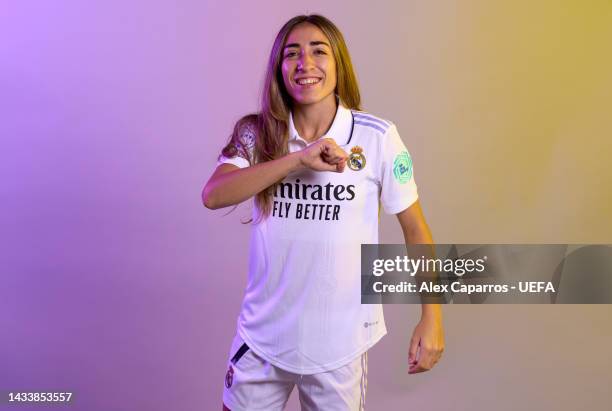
{"x":312,"y":121}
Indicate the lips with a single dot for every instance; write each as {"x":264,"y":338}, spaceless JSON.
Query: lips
{"x":307,"y":81}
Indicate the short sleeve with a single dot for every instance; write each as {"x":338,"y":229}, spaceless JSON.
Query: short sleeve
{"x":398,"y":188}
{"x":247,"y":141}
{"x":237,"y":161}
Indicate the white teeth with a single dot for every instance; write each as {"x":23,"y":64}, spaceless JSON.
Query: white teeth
{"x":308,"y":81}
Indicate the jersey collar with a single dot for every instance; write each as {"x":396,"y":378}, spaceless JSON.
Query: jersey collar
{"x":340,"y":130}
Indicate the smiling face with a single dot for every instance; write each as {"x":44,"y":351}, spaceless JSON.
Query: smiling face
{"x":308,"y":65}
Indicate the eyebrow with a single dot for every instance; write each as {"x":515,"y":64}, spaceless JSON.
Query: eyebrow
{"x":312,"y":43}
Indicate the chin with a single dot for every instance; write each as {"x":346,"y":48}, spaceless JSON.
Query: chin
{"x":305,"y":100}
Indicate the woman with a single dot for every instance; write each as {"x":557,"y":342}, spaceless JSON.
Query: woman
{"x":318,"y":168}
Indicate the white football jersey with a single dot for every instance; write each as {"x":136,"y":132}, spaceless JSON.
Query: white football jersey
{"x":302,"y":306}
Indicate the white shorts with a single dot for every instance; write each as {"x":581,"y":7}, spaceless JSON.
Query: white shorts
{"x":252,"y":383}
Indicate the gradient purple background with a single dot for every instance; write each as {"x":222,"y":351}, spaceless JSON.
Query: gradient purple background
{"x":119,"y":286}
{"x":103,"y":241}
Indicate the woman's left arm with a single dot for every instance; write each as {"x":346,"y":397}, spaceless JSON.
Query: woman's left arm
{"x":427,"y":342}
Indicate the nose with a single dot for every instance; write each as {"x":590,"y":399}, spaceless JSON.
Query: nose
{"x":304,"y":62}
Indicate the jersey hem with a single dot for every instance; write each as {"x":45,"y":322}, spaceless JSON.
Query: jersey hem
{"x":312,"y":370}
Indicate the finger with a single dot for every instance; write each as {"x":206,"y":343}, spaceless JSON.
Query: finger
{"x":335,"y":154}
{"x":421,"y":366}
{"x":341,"y":154}
{"x":334,"y":160}
{"x":327,"y":145}
{"x":331,"y":160}
{"x":335,"y":150}
{"x":427,"y":358}
{"x":327,"y":167}
{"x":412,"y":352}
{"x":431,"y":357}
{"x":321,"y":165}
{"x":416,"y":369}
{"x":417,"y":366}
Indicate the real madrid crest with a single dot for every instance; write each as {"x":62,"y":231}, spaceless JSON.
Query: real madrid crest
{"x":356,"y":160}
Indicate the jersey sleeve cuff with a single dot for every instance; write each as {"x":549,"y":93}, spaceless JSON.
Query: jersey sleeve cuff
{"x":237,"y":161}
{"x":401,"y":205}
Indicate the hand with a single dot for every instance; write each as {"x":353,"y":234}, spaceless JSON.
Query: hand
{"x":428,"y":339}
{"x":324,"y":155}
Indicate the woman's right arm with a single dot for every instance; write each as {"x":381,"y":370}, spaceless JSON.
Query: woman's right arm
{"x":230,"y":184}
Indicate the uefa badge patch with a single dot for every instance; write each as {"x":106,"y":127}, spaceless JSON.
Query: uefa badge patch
{"x":229,"y":377}
{"x":402,"y":167}
{"x":356,"y":160}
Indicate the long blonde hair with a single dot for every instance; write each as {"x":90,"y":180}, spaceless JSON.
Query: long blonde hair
{"x":269,"y":127}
